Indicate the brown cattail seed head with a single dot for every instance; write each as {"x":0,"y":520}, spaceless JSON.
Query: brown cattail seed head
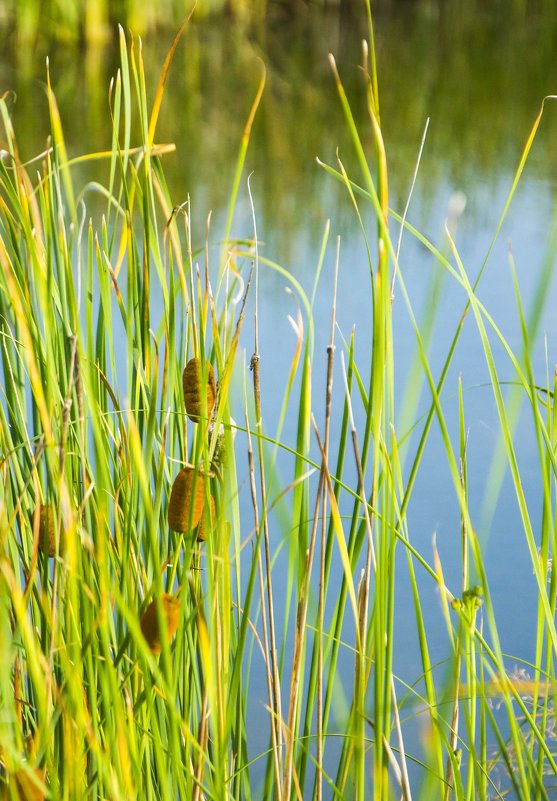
{"x":150,"y":621}
{"x":47,"y":529}
{"x":191,"y":381}
{"x":202,"y":527}
{"x":185,"y":506}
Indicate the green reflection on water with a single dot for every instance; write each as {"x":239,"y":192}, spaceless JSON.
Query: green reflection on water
{"x":478,"y":75}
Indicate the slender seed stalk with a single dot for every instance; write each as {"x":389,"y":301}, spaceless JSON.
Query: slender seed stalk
{"x":276,"y":705}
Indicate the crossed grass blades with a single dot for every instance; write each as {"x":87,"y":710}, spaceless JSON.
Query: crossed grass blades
{"x":139,"y":619}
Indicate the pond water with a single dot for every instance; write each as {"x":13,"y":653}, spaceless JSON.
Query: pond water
{"x":480,"y":78}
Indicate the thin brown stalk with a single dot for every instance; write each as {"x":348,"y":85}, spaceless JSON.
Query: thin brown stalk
{"x":294,"y":778}
{"x":358,"y":607}
{"x":321,"y":603}
{"x":363,"y":599}
{"x":277,"y":705}
{"x":361,"y":675}
{"x":255,"y":368}
{"x":370,"y":559}
{"x":299,"y":639}
{"x":268,"y":670}
{"x":301,"y":617}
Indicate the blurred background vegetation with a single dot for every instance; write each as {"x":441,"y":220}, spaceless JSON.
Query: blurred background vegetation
{"x":93,"y":20}
{"x":478,"y":69}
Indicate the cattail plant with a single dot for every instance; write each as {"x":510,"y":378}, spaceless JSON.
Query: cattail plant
{"x":47,"y":529}
{"x":150,"y":622}
{"x":187,"y":499}
{"x":194,"y":389}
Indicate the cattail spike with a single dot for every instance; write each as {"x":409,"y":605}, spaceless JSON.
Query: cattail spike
{"x":191,"y":381}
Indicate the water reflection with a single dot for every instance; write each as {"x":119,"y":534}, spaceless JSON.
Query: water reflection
{"x":480,"y":78}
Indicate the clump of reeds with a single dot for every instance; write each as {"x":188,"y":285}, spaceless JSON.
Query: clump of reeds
{"x":291,"y":569}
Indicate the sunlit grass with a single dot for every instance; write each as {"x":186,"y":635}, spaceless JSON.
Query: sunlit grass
{"x":141,"y":656}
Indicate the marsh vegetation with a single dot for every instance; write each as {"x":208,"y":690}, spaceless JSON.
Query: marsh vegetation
{"x":215,"y":582}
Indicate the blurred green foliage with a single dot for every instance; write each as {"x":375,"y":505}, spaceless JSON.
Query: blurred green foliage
{"x":92,"y":20}
{"x":476,"y":73}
